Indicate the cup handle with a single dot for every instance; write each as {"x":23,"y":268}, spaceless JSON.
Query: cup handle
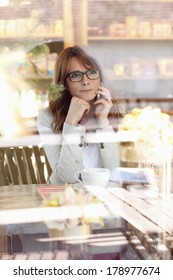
{"x":77,"y":177}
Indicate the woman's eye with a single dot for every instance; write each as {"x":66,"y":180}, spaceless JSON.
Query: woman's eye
{"x":93,"y":71}
{"x":75,"y":75}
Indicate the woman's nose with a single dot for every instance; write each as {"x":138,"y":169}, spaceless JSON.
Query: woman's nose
{"x":85,"y":80}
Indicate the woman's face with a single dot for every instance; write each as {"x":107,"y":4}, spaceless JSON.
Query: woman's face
{"x":84,"y":89}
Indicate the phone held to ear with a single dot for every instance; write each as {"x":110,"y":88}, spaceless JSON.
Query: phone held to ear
{"x":100,"y":96}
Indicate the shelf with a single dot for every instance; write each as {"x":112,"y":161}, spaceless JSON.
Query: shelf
{"x":105,"y":38}
{"x":29,"y":37}
{"x":153,"y":1}
{"x":90,"y":38}
{"x":140,"y":78}
{"x":110,"y":74}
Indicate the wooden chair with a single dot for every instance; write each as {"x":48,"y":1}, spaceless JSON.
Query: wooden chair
{"x":24,"y":165}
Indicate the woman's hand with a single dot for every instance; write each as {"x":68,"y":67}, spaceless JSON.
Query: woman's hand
{"x":76,"y":110}
{"x":103,"y":106}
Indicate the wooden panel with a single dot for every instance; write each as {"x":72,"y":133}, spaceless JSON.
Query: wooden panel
{"x":21,"y":166}
{"x":147,"y":210}
{"x":47,"y":255}
{"x":68,"y":23}
{"x":27,"y":154}
{"x":121,"y":208}
{"x":24,"y":165}
{"x":12,"y":168}
{"x":81,"y":23}
{"x":49,"y":170}
{"x":39,"y":165}
{"x":4,"y":174}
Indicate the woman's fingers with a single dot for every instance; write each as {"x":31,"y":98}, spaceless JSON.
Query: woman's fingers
{"x":76,"y":110}
{"x":103,"y":101}
{"x":104,"y":93}
{"x":81,"y":103}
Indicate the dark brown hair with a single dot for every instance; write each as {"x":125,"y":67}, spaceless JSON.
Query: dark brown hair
{"x":59,"y":107}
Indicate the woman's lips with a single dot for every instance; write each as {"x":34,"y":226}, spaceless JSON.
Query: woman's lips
{"x":85,"y":90}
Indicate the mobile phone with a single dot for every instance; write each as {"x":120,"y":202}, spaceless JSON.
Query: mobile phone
{"x":100,"y":96}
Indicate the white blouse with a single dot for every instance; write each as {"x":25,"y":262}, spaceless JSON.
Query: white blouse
{"x":91,"y":156}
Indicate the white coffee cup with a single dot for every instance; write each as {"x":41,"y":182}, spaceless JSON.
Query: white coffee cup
{"x":93,"y":176}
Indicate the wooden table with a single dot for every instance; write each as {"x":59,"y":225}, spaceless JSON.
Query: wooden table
{"x":20,"y":213}
{"x":14,"y":201}
{"x":150,"y":219}
{"x":150,"y":222}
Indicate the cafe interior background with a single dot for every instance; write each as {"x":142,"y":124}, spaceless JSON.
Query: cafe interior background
{"x":133,"y":41}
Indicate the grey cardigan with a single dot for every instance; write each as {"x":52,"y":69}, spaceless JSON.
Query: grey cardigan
{"x":64,"y":151}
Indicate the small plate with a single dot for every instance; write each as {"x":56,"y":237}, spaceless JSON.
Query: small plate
{"x":46,"y":191}
{"x":143,"y":191}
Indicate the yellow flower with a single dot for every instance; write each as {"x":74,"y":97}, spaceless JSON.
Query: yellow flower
{"x":151,"y":123}
{"x":53,"y":203}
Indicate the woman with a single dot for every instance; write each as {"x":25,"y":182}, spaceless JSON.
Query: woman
{"x":83,"y":106}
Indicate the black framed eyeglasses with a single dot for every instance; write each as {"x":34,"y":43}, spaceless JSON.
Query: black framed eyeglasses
{"x":77,"y":76}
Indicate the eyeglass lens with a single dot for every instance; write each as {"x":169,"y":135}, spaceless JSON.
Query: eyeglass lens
{"x":78,"y":76}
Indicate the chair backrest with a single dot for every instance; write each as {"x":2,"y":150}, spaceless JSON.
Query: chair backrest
{"x":24,"y":165}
